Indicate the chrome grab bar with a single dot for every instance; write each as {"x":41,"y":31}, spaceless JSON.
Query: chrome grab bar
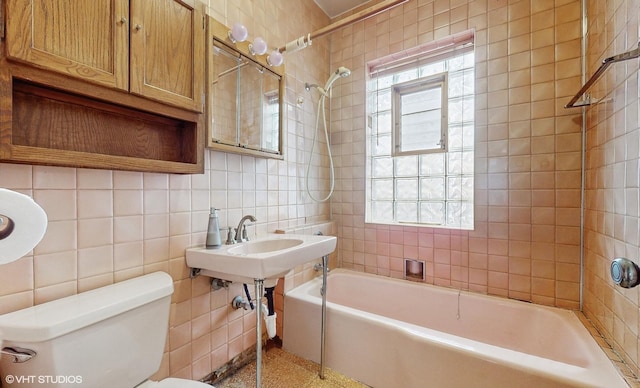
{"x":605,"y":64}
{"x":19,"y":355}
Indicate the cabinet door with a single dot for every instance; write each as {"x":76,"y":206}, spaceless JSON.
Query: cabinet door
{"x":167,"y":51}
{"x":223,"y":94}
{"x":250,"y":106}
{"x":84,"y":39}
{"x":271,"y":119}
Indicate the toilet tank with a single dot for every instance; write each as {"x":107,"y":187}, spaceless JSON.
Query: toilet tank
{"x":113,"y":336}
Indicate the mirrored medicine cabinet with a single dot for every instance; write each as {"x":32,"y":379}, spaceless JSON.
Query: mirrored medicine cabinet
{"x":244,"y":97}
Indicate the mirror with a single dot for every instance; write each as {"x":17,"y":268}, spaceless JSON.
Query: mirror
{"x":244,"y":98}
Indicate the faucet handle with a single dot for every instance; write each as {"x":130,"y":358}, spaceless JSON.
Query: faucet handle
{"x":230,"y":240}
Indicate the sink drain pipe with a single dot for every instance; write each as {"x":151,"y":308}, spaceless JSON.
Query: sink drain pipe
{"x":246,"y":292}
{"x":268,"y":311}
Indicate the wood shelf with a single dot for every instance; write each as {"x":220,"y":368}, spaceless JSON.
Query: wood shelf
{"x":55,"y":127}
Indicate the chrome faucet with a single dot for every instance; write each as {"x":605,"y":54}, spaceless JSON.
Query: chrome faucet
{"x":241,"y":231}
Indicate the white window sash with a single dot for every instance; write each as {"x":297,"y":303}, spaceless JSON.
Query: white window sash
{"x":432,"y":82}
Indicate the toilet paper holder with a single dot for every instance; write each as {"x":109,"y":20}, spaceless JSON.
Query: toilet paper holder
{"x":22,"y":226}
{"x":6,"y":226}
{"x":625,"y":272}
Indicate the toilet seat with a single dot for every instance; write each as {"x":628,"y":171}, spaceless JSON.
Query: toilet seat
{"x":174,"y":383}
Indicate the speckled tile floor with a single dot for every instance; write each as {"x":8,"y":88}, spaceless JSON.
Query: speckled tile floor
{"x":282,"y":370}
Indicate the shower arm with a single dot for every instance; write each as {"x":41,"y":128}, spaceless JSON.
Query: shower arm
{"x":305,"y":40}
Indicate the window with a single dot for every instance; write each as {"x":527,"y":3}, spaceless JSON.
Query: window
{"x":420,"y":136}
{"x":419,"y":111}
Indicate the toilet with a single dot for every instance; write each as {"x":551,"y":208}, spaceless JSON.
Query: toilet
{"x":113,"y":336}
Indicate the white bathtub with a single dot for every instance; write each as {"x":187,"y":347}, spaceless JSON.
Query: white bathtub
{"x":392,"y":333}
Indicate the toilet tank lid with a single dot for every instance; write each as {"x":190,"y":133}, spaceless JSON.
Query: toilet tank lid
{"x":58,"y":317}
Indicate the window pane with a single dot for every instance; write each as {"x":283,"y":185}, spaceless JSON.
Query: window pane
{"x":382,"y":123}
{"x":469,"y":82}
{"x":454,"y":191}
{"x":467,"y":188}
{"x":381,"y":145}
{"x":460,"y":137}
{"x":404,"y":76}
{"x":468,"y":112}
{"x":455,"y":111}
{"x":460,"y":214}
{"x":383,"y":100}
{"x":407,"y":189}
{"x":432,"y":164}
{"x":385,"y":82}
{"x":467,"y":162}
{"x":407,"y":211}
{"x":372,"y":100}
{"x":455,"y":63}
{"x":382,"y":211}
{"x":382,"y":168}
{"x":460,"y":163}
{"x":468,"y":136}
{"x":432,"y":188}
{"x":422,"y":100}
{"x":455,"y":137}
{"x":469,"y":59}
{"x":432,"y":212}
{"x":421,"y":131}
{"x":456,"y":84}
{"x":382,"y":189}
{"x":421,"y":120}
{"x":406,"y":165}
{"x":431,"y":69}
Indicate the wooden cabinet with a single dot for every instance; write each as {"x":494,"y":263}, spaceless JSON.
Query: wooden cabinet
{"x":167,"y":52}
{"x":84,"y":39}
{"x":114,"y":84}
{"x":152,"y":48}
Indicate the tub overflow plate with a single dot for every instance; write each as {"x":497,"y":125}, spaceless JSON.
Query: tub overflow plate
{"x":624,"y":272}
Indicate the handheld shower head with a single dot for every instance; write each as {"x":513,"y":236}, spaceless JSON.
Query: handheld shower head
{"x":341,"y":72}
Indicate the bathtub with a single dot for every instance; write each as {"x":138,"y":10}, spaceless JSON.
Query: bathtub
{"x":392,"y":333}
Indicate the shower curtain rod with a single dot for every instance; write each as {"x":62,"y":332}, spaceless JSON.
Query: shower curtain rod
{"x":605,"y":63}
{"x":305,"y":40}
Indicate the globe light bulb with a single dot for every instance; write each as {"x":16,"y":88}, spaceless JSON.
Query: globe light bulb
{"x":275,"y":58}
{"x":258,"y":47}
{"x":238,"y":33}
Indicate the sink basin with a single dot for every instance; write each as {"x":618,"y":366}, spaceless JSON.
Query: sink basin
{"x":269,"y":257}
{"x":262,"y":246}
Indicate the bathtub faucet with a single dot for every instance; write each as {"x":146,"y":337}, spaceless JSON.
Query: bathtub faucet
{"x":241,"y":230}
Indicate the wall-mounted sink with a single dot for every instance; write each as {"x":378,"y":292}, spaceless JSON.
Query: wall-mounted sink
{"x":264,"y":246}
{"x":269,"y":257}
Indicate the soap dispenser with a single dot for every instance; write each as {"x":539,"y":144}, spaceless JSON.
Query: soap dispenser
{"x":213,"y":231}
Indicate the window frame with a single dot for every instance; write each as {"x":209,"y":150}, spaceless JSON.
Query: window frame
{"x":380,"y":157}
{"x":409,"y":87}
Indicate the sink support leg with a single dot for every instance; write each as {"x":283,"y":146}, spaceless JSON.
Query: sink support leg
{"x":325,"y":269}
{"x":259,"y":283}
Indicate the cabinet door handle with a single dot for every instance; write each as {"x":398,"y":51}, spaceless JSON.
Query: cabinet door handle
{"x":138,"y":27}
{"x":123,"y":20}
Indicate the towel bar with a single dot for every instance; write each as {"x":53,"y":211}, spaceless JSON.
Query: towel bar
{"x":635,"y":53}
